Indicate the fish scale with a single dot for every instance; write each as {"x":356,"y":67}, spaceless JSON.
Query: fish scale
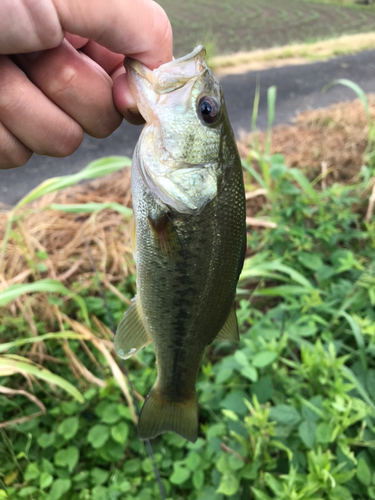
{"x":188,"y":257}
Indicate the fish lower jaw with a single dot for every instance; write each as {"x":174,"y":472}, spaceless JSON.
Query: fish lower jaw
{"x":183,"y":187}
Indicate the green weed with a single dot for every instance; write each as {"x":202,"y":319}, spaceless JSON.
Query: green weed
{"x":243,"y":26}
{"x":288,"y":415}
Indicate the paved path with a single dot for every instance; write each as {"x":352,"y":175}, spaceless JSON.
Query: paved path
{"x":298,"y":89}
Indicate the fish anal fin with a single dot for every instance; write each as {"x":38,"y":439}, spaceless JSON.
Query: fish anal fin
{"x":159,"y":415}
{"x":131,"y":335}
{"x":165,"y":236}
{"x":229,"y":332}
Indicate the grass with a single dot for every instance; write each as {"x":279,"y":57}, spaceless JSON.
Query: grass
{"x":240,"y":26}
{"x":298,"y":53}
{"x":332,"y":139}
{"x":289,"y":414}
{"x":347,"y":3}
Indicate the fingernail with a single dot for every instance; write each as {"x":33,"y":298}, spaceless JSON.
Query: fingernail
{"x":133,"y":116}
{"x":31,"y":56}
{"x":134,"y":111}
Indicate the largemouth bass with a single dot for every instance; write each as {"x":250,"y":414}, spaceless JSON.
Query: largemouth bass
{"x":189,"y":234}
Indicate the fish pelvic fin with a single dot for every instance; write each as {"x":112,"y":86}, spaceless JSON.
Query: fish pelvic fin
{"x":229,"y":331}
{"x":159,"y":415}
{"x":131,"y":335}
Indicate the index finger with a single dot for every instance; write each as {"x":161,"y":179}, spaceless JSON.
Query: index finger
{"x":137,"y":28}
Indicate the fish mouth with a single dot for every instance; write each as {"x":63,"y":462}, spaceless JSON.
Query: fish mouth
{"x":169,"y":76}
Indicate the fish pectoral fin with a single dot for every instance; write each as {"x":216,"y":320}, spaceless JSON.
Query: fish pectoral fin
{"x":230,"y":329}
{"x":165,"y":236}
{"x":159,"y":415}
{"x":131,"y":335}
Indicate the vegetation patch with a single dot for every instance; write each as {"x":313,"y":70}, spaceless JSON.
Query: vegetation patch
{"x":229,"y":27}
{"x":333,"y":140}
{"x":289,"y":414}
{"x":297,"y":53}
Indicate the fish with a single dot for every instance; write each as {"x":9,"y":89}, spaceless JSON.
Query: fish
{"x":188,"y":236}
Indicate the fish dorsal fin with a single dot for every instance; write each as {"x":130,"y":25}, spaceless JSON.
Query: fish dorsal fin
{"x":131,"y":333}
{"x":230,"y":329}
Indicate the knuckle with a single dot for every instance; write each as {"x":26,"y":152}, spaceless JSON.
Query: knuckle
{"x":62,"y":80}
{"x":70,"y":139}
{"x":44,"y":30}
{"x":48,"y":39}
{"x":11,"y":96}
{"x":105,"y":126}
{"x":62,"y":141}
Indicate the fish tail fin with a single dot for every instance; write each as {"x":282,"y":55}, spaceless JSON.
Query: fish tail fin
{"x":158,"y":416}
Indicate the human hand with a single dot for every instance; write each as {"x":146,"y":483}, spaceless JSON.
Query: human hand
{"x":62,"y":73}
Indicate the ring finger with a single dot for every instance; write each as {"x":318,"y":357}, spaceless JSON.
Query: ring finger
{"x":32,"y":118}
{"x":77,"y":84}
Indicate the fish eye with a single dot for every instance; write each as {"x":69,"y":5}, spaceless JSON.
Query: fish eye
{"x":209,"y":109}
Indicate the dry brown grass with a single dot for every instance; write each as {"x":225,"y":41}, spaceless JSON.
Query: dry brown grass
{"x":72,"y":244}
{"x":299,"y":53}
{"x":334,"y":138}
{"x":65,"y":238}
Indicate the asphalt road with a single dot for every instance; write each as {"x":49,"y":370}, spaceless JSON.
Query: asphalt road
{"x":298,"y":89}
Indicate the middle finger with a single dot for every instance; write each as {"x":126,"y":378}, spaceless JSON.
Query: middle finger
{"x":77,"y":85}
